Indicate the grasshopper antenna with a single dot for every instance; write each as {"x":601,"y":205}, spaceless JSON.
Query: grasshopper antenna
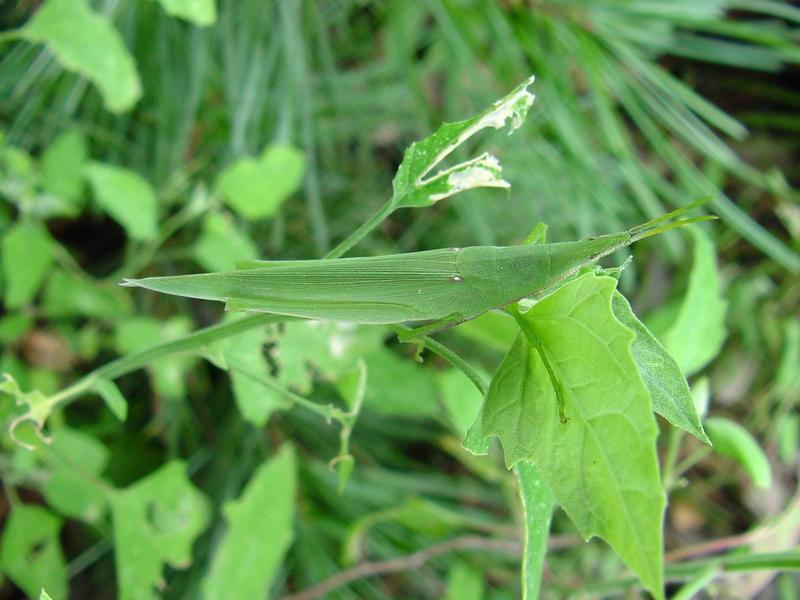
{"x":667,"y":222}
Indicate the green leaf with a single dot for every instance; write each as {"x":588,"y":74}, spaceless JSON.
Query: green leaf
{"x":256,"y":187}
{"x":222,"y":244}
{"x":63,"y":164}
{"x":169,"y":374}
{"x":67,"y":295}
{"x":417,"y":395}
{"x":127,"y":198}
{"x":698,"y":332}
{"x":199,"y":12}
{"x":27,"y":252}
{"x":30,"y":552}
{"x":537,"y":508}
{"x":155,"y":521}
{"x":734,"y":441}
{"x":87,"y":43}
{"x":74,"y":455}
{"x":113,"y":398}
{"x":461,"y":399}
{"x":43,"y":595}
{"x":464,"y":583}
{"x":414,"y":185}
{"x":13,"y":326}
{"x":260,"y":528}
{"x":601,"y":461}
{"x":244,"y":358}
{"x":494,"y":330}
{"x":326,"y":349}
{"x":669,"y":391}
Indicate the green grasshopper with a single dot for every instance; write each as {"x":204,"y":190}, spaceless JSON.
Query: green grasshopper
{"x":448,"y":285}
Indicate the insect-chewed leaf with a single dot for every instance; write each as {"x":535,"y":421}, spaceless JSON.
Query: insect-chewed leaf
{"x":30,"y":553}
{"x":156,"y":521}
{"x":248,"y":368}
{"x":413,"y":186}
{"x":601,"y":463}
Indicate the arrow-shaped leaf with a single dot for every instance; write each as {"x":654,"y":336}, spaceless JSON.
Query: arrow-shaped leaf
{"x":600,"y":460}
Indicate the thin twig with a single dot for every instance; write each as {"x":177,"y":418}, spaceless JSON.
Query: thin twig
{"x":406,"y":563}
{"x":713,"y":546}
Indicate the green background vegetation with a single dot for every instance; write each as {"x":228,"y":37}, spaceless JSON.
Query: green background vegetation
{"x":157,"y":138}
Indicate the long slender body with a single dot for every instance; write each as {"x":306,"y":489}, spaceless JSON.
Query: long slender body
{"x":457,"y":283}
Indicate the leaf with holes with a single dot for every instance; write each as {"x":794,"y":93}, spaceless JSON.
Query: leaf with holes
{"x":155,"y":522}
{"x":30,"y":552}
{"x":416,"y":185}
{"x":244,"y":359}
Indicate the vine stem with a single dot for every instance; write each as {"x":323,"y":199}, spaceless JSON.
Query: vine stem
{"x":363,"y":230}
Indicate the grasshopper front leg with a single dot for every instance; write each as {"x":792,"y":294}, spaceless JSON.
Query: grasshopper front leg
{"x":446,"y":323}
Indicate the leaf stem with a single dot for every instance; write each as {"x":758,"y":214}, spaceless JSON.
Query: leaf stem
{"x":327,"y":411}
{"x":674,"y":439}
{"x":364,"y":229}
{"x":537,"y":505}
{"x":136,"y":360}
